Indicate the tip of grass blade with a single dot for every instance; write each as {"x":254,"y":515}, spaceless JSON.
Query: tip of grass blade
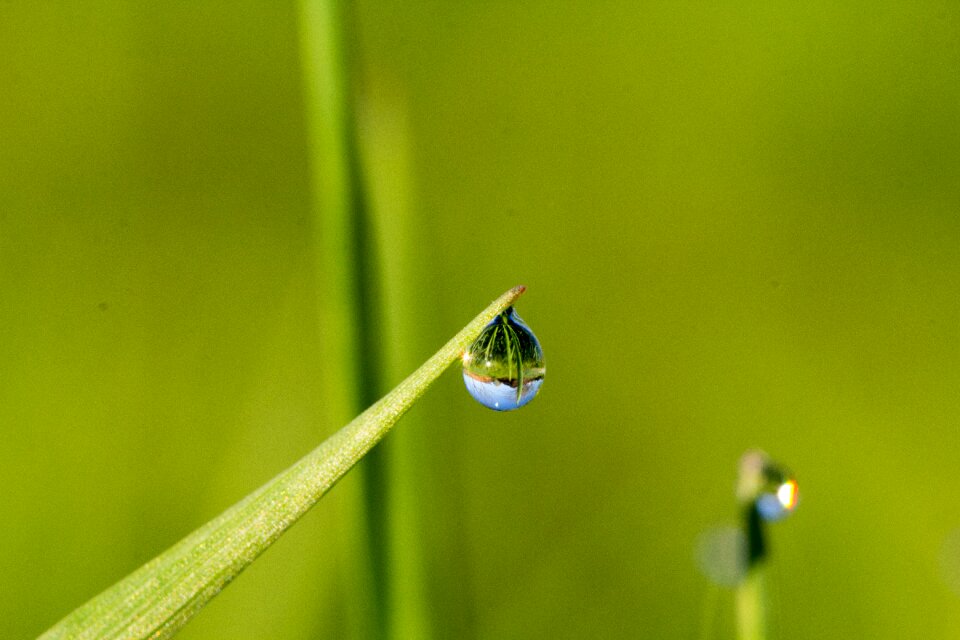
{"x":512,"y":295}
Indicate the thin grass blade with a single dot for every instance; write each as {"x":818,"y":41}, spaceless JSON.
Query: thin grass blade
{"x":159,"y":598}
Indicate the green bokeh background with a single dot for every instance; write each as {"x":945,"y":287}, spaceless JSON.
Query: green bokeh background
{"x":739,"y":225}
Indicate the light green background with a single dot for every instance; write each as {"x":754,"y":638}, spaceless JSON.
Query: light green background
{"x":739,"y":224}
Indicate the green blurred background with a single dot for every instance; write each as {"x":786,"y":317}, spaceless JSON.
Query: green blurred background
{"x":739,"y":225}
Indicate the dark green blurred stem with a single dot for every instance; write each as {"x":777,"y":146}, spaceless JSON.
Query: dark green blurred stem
{"x":345,"y":302}
{"x":751,"y":592}
{"x":756,"y":536}
{"x":384,"y":149}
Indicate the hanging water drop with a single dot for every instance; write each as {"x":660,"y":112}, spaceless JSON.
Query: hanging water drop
{"x":778,"y":500}
{"x":770,"y":486}
{"x":503,"y":368}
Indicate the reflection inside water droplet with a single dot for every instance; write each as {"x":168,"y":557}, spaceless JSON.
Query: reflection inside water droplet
{"x":778,"y":500}
{"x":770,"y":487}
{"x":503,"y":368}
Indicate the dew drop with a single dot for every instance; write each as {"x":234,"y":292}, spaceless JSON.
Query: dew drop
{"x":779,"y":495}
{"x":779,"y":502}
{"x":503,"y":368}
{"x":772,"y":488}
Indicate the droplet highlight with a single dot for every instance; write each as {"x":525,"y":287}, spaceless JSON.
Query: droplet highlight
{"x":503,"y":369}
{"x":779,"y":503}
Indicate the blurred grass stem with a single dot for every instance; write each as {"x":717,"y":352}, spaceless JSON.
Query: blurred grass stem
{"x":751,"y":596}
{"x":751,"y":605}
{"x":383,"y":146}
{"x":344,"y":304}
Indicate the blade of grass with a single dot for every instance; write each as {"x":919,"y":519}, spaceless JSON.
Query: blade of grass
{"x":159,"y":598}
{"x":751,"y":593}
{"x":751,"y":596}
{"x":751,"y":605}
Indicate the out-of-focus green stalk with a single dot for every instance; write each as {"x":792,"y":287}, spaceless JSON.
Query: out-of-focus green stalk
{"x":751,"y":603}
{"x":384,"y":150}
{"x":334,"y":187}
{"x":751,"y":596}
{"x":751,"y":592}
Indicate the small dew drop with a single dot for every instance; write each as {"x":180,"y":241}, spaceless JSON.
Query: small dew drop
{"x":771,"y":487}
{"x":778,"y":499}
{"x":503,"y":368}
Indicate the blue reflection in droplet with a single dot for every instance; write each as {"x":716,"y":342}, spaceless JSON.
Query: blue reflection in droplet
{"x":498,"y":395}
{"x":777,"y":505}
{"x":503,"y":369}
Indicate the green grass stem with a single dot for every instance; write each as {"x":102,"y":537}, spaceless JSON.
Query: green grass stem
{"x":751,"y":596}
{"x":751,"y":605}
{"x":159,"y":598}
{"x":383,"y":143}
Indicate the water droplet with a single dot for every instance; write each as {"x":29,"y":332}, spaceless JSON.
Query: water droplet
{"x":772,"y":488}
{"x":779,"y":501}
{"x":503,"y":368}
